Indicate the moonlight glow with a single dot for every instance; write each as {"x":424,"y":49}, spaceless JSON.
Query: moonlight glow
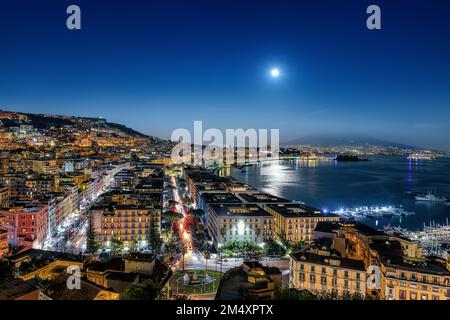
{"x":275,"y":72}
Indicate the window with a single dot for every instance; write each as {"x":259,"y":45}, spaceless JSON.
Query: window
{"x":323,"y":280}
{"x":324,"y":270}
{"x":413,"y":295}
{"x":402,"y":294}
{"x":346,"y":274}
{"x":312,"y":278}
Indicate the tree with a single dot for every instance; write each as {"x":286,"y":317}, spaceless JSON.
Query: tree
{"x":223,"y":231}
{"x":290,"y":248}
{"x":271,"y":248}
{"x":147,"y":290}
{"x":207,"y":256}
{"x":116,"y":247}
{"x":134,"y":244}
{"x":196,"y":212}
{"x":336,"y":296}
{"x":92,"y":244}
{"x":293,"y":294}
{"x":155,"y":237}
{"x":171,"y":216}
{"x":240,"y":247}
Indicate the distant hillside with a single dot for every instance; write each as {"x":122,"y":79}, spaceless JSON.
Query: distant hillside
{"x":45,"y":121}
{"x":340,"y":140}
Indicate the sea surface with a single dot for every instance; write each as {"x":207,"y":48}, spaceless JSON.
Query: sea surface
{"x":382,"y":181}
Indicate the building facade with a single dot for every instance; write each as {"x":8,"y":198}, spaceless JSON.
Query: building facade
{"x":228,"y":222}
{"x":296,"y":222}
{"x":26,"y":226}
{"x":324,"y":273}
{"x":4,"y":246}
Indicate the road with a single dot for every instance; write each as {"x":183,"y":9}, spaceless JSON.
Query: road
{"x":196,"y":260}
{"x":77,"y":224}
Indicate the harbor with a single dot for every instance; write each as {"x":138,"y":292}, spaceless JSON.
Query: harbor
{"x":434,"y":238}
{"x":382,"y":182}
{"x":371,"y":212}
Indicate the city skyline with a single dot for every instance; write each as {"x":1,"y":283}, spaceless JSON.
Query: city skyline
{"x":232,"y":157}
{"x":154,"y":67}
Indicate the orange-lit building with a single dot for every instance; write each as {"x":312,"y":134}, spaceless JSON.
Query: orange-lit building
{"x":4,"y":197}
{"x":322,"y":272}
{"x":128,"y":224}
{"x":296,"y":222}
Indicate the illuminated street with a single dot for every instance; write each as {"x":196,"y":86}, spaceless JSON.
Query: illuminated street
{"x":195,"y":259}
{"x":71,"y":234}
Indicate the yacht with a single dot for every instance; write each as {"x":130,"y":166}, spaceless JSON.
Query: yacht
{"x":430,"y":197}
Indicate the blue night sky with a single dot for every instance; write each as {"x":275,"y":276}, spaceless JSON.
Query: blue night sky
{"x":159,"y":65}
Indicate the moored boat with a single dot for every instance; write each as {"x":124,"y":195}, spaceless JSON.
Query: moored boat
{"x":430,"y":197}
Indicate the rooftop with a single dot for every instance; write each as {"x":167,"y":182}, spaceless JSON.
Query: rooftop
{"x":199,"y":176}
{"x":391,"y":254}
{"x":114,"y":264}
{"x":364,"y":229}
{"x":240,"y":210}
{"x":43,"y":254}
{"x":326,"y":259}
{"x":57,"y":290}
{"x":220,"y":197}
{"x":259,"y":197}
{"x":137,"y":256}
{"x":10,"y":290}
{"x":327,"y":226}
{"x":298,"y":210}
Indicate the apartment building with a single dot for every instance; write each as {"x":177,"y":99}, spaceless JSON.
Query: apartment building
{"x":26,"y":225}
{"x":296,"y":222}
{"x":4,"y":197}
{"x":227,"y":222}
{"x":319,"y":271}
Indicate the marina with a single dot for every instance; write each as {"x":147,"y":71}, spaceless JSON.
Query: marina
{"x":361,"y":213}
{"x":434,"y":238}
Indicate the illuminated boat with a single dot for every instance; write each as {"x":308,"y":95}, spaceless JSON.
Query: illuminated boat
{"x":430,"y":197}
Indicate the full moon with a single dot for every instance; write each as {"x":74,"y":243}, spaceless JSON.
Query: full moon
{"x":275,"y":72}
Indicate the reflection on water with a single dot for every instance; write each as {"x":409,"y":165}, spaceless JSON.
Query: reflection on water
{"x":276,"y":176}
{"x":383,"y":181}
{"x":409,"y":179}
